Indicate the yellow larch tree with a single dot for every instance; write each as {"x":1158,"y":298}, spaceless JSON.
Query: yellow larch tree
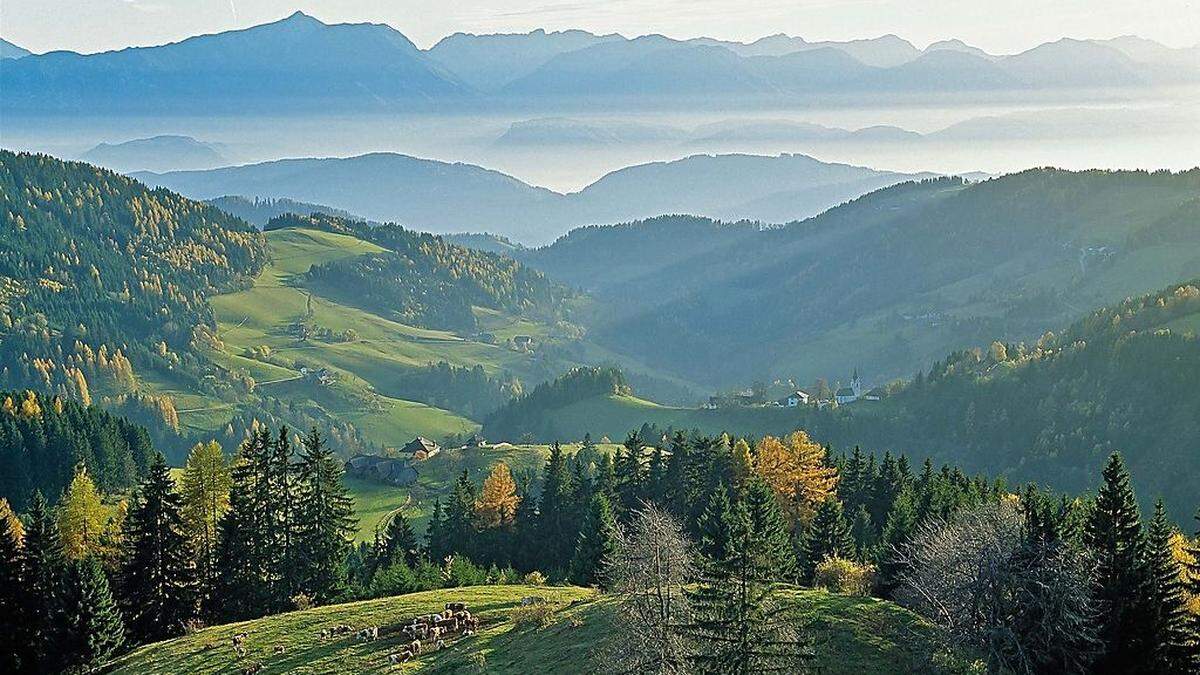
{"x":795,"y":467}
{"x":81,"y":517}
{"x":497,"y":502}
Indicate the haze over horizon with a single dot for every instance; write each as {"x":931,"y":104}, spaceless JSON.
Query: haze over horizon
{"x":102,"y":25}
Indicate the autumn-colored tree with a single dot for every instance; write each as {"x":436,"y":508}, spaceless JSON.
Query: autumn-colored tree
{"x":81,"y":517}
{"x":743,"y":463}
{"x":497,"y":502}
{"x":796,"y":470}
{"x":205,"y":489}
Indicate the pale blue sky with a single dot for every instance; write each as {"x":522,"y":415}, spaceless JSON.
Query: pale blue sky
{"x":999,"y":26}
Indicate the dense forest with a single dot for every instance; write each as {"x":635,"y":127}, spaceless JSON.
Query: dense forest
{"x":888,"y":282}
{"x":100,"y":276}
{"x":44,"y":440}
{"x":531,"y":414}
{"x":1124,"y":378}
{"x":424,"y":281}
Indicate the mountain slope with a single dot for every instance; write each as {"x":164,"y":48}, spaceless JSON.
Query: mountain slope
{"x":9,"y":50}
{"x":295,"y":63}
{"x":890,"y":281}
{"x":489,"y":62}
{"x":442,"y":197}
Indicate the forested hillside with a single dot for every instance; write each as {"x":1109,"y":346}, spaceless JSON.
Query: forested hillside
{"x":44,"y":439}
{"x":423,"y":281}
{"x":1122,"y":379}
{"x":101,"y":277}
{"x":886,"y":283}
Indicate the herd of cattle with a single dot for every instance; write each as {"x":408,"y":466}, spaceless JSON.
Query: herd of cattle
{"x":421,"y":633}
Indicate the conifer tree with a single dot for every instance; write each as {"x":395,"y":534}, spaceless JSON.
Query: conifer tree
{"x":597,"y":540}
{"x":397,"y":543}
{"x":770,"y":531}
{"x":241,"y":567}
{"x":324,"y":522}
{"x":158,"y":580}
{"x":829,"y":536}
{"x":1113,"y":534}
{"x":1193,"y":587}
{"x":556,"y":531}
{"x":460,"y":517}
{"x":205,"y":489}
{"x":497,"y":503}
{"x":45,"y":568}
{"x":14,"y":647}
{"x":630,"y":479}
{"x":436,"y":546}
{"x":738,"y":626}
{"x":716,"y":525}
{"x":1166,"y":619}
{"x":656,"y":476}
{"x":864,"y":533}
{"x":92,"y":626}
{"x":81,"y":516}
{"x":899,"y":528}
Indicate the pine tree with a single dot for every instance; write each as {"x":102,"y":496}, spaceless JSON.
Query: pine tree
{"x":556,"y":532}
{"x":436,"y":546}
{"x":898,"y":530}
{"x":770,"y":529}
{"x":1113,"y":534}
{"x":1166,"y":618}
{"x":324,"y":522}
{"x":738,"y":627}
{"x":630,"y":481}
{"x":1194,"y":590}
{"x":716,"y":525}
{"x":829,"y":536}
{"x":241,"y":573}
{"x":158,"y":580}
{"x":92,"y":626}
{"x":864,"y":533}
{"x":460,"y":517}
{"x":656,"y":476}
{"x":14,"y":647}
{"x":282,"y":559}
{"x":398,"y":543}
{"x":45,"y":567}
{"x":597,"y":541}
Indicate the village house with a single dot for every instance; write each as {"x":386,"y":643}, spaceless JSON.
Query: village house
{"x":420,"y":448}
{"x":387,"y":470}
{"x":794,"y":399}
{"x":852,"y":393}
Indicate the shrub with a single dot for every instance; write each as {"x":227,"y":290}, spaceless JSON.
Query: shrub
{"x":844,"y":576}
{"x":535,"y":578}
{"x":537,"y":615}
{"x":302,"y":602}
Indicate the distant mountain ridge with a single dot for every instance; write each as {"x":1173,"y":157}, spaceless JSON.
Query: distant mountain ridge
{"x":9,"y":50}
{"x":158,"y":153}
{"x":455,"y":197}
{"x":302,"y":64}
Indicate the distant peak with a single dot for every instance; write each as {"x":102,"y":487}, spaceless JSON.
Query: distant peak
{"x":300,"y":18}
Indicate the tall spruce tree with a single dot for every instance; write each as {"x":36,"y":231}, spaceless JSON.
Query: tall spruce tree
{"x":716,"y":525}
{"x":899,"y":528}
{"x":324,"y":522}
{"x":45,"y":569}
{"x":398,"y":543}
{"x":738,"y":626}
{"x":436,"y":545}
{"x":828,"y":536}
{"x":556,"y":531}
{"x":631,"y":486}
{"x":241,"y":566}
{"x":769,"y":528}
{"x":1166,"y":617}
{"x":92,"y":628}
{"x":1113,"y":534}
{"x":1193,"y":587}
{"x":158,"y":573}
{"x":597,"y":541}
{"x":460,"y":516}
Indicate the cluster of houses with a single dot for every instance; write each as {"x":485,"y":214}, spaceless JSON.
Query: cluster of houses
{"x":401,"y":469}
{"x":322,"y":376}
{"x":855,"y":392}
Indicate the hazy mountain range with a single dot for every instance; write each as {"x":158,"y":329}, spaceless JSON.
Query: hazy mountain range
{"x":444,"y":197}
{"x":10,"y":51}
{"x":157,"y":153}
{"x":300,"y":63}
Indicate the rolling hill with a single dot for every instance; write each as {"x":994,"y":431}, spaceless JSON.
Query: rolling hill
{"x":850,"y":635}
{"x":9,"y":50}
{"x":442,"y":197}
{"x":886,"y":283}
{"x":157,"y":153}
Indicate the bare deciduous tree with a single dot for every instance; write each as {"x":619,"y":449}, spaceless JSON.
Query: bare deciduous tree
{"x":1025,"y":605}
{"x":652,"y":562}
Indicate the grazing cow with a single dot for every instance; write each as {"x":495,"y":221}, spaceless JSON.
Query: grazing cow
{"x":456,"y":606}
{"x":468,"y":632}
{"x":532,"y":600}
{"x":252,"y":669}
{"x":415,"y":646}
{"x":279,"y":649}
{"x":441,"y":644}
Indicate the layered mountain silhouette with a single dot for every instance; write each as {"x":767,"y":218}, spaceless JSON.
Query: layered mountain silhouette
{"x":300,"y":64}
{"x":454,"y":197}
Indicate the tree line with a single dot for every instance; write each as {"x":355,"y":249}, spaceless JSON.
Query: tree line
{"x":266,"y":532}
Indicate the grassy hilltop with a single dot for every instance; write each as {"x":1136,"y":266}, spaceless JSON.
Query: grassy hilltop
{"x":850,"y":635}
